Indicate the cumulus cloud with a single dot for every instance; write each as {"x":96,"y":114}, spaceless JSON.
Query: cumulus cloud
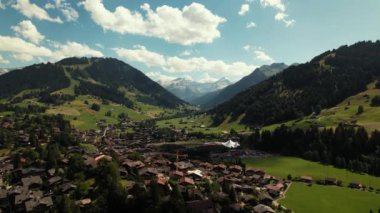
{"x":161,"y":78}
{"x":27,"y":30}
{"x":3,"y":60}
{"x":71,"y":49}
{"x":190,"y":25}
{"x":26,"y":51}
{"x":142,"y":55}
{"x":247,"y":47}
{"x":176,"y":64}
{"x":31,"y":10}
{"x":284,"y":18}
{"x":244,"y":9}
{"x":281,"y":11}
{"x":186,"y":53}
{"x":68,"y":12}
{"x":206,"y":78}
{"x":20,"y":46}
{"x":250,"y":25}
{"x":262,"y":56}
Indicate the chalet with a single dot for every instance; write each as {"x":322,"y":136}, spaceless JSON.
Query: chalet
{"x":38,"y":204}
{"x":263,"y":209}
{"x":176,"y":174}
{"x":90,"y":162}
{"x":195,"y":174}
{"x":306,"y":179}
{"x":355,"y":185}
{"x":220,"y":168}
{"x":68,"y":188}
{"x":31,"y":182}
{"x":133,"y":164}
{"x":236,"y":169}
{"x":254,"y":171}
{"x":200,"y":206}
{"x":54,"y":180}
{"x":148,"y":172}
{"x":331,"y":181}
{"x":162,"y":179}
{"x":182,"y":165}
{"x":186,"y":181}
{"x":24,"y":196}
{"x":84,"y":202}
{"x":265,"y":198}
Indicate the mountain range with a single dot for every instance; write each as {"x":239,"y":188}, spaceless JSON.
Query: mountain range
{"x":217,"y":97}
{"x":190,"y":90}
{"x":306,"y":88}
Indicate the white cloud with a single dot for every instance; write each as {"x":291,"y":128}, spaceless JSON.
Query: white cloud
{"x":142,"y":55}
{"x":206,"y":78}
{"x":161,"y":78}
{"x":250,"y":25}
{"x":2,"y":5}
{"x":71,"y":49}
{"x":68,"y":12}
{"x":247,"y":47}
{"x":277,"y":4}
{"x":186,"y":53}
{"x":281,"y":14}
{"x":3,"y":60}
{"x":176,"y":64}
{"x":262,"y":56}
{"x":244,"y":9}
{"x":26,"y":51}
{"x":31,"y":10}
{"x":99,"y":45}
{"x":27,"y":30}
{"x":284,"y":18}
{"x":20,"y":46}
{"x":190,"y":25}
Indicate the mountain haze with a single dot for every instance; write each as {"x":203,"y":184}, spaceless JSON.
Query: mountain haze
{"x":215,"y":98}
{"x":189,"y":90}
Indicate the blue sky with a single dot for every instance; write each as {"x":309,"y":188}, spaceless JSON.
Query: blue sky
{"x":202,"y":40}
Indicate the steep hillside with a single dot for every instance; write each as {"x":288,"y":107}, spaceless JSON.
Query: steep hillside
{"x":71,"y":86}
{"x":3,"y":71}
{"x":344,"y":112}
{"x":260,"y":74}
{"x":189,"y":90}
{"x":301,"y":90}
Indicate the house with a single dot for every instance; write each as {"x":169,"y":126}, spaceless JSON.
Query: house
{"x":236,"y":169}
{"x":200,"y":206}
{"x":186,"y":181}
{"x":260,"y":208}
{"x":38,"y":204}
{"x":331,"y":181}
{"x":306,"y":179}
{"x":54,"y":180}
{"x":148,"y":172}
{"x":133,"y":164}
{"x":31,"y":182}
{"x":68,"y":188}
{"x":265,"y":198}
{"x":253,"y":171}
{"x":355,"y":185}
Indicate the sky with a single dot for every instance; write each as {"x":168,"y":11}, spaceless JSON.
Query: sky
{"x":166,"y":39}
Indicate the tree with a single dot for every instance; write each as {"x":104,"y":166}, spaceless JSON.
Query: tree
{"x":53,"y":156}
{"x":360,"y":110}
{"x":289,"y":177}
{"x":95,"y":107}
{"x":108,"y":113}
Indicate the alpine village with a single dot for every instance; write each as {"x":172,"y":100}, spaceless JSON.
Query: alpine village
{"x":83,"y":132}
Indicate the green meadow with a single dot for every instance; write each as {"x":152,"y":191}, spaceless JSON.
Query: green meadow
{"x":301,"y":198}
{"x":282,"y":166}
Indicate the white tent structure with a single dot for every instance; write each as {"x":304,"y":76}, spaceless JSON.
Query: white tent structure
{"x":230,"y":144}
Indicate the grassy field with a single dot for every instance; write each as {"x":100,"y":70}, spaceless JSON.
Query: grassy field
{"x":346,"y":111}
{"x":282,"y":166}
{"x":203,"y":123}
{"x":315,"y":199}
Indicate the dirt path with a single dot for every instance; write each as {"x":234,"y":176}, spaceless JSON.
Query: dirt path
{"x":284,"y":194}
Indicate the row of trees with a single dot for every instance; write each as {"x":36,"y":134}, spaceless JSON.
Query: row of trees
{"x":345,"y":147}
